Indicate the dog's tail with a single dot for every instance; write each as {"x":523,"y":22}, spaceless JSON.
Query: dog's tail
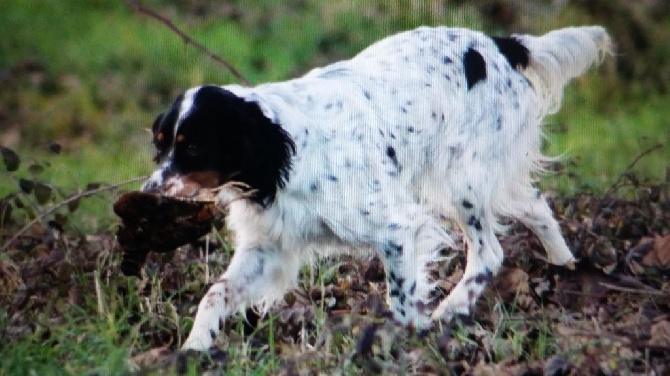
{"x":561,"y":55}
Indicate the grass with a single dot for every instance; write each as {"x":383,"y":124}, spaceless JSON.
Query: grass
{"x":103,"y":73}
{"x":599,"y":146}
{"x":109,"y":72}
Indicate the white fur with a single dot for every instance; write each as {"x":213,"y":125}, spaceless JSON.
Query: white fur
{"x":467,"y":155}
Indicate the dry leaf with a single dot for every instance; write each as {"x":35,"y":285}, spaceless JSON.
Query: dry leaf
{"x":152,"y":357}
{"x":659,"y":255}
{"x":660,"y":334}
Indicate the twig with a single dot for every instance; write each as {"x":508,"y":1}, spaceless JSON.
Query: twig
{"x":649,"y":291}
{"x":102,"y":310}
{"x":67,"y":201}
{"x":615,"y":185}
{"x":187,"y":39}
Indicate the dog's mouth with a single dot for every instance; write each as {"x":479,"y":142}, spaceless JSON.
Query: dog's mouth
{"x":188,"y":185}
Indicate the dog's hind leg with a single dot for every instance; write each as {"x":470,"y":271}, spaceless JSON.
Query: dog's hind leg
{"x":484,"y":254}
{"x":538,"y":217}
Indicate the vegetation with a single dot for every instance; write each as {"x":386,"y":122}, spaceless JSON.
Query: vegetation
{"x":81,"y":81}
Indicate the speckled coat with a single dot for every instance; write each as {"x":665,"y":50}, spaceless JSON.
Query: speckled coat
{"x":426,"y":125}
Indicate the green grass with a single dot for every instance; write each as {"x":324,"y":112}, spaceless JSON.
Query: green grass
{"x":110,"y":71}
{"x":599,"y":146}
{"x":81,"y":340}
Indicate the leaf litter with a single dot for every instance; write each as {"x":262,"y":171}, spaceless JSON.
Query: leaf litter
{"x":611,"y":315}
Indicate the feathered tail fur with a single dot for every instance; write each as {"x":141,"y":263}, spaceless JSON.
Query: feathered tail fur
{"x":561,"y":55}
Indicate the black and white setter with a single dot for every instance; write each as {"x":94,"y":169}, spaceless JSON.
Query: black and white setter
{"x":372,"y":155}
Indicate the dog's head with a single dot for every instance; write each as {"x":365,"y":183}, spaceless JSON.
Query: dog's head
{"x":210,"y":136}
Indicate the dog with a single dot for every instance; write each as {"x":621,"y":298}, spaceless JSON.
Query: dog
{"x":373,"y":154}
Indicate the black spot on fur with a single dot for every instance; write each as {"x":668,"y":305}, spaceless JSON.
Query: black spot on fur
{"x":481,"y":278}
{"x":366,"y":94}
{"x":394,"y":279}
{"x":313,"y":187}
{"x":455,"y":152}
{"x":394,"y":249}
{"x":475,"y":67}
{"x":467,"y":204}
{"x":390,"y":152}
{"x":331,"y":177}
{"x":392,"y":276}
{"x":474,"y":222}
{"x":517,"y":54}
{"x":447,"y":60}
{"x":412,"y":288}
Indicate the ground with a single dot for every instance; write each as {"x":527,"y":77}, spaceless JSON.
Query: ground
{"x":611,"y":315}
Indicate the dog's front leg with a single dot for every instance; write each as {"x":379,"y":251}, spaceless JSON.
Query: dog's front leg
{"x":256,"y":275}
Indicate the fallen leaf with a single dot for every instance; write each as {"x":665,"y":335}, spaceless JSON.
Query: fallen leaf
{"x":152,"y":357}
{"x":659,"y":255}
{"x":660,"y":334}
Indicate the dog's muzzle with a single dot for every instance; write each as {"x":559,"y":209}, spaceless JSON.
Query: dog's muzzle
{"x":181,"y":185}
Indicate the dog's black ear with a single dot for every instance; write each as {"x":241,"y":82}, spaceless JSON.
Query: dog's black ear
{"x":267,"y":151}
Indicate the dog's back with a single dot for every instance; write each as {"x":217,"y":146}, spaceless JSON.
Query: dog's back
{"x":427,"y":108}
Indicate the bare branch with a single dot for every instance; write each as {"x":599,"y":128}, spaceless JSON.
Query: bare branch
{"x":70,"y":199}
{"x":615,"y":185}
{"x":646,"y":291}
{"x":187,"y":39}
